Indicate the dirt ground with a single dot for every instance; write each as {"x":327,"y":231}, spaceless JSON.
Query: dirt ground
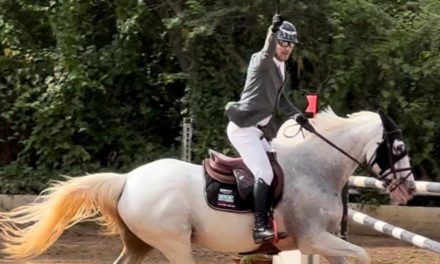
{"x":83,"y":244}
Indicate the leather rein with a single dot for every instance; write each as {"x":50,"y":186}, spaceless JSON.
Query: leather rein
{"x":391,"y":161}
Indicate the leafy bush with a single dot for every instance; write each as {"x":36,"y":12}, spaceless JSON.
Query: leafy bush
{"x":98,"y":85}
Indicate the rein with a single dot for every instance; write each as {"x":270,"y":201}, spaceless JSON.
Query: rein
{"x":362,"y":166}
{"x":382,"y":177}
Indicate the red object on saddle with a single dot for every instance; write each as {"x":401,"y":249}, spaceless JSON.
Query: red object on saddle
{"x":312,"y":106}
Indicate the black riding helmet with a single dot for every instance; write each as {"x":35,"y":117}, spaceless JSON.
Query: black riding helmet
{"x":287,"y":32}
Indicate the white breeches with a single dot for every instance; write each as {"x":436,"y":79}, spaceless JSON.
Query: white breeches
{"x":252,"y":147}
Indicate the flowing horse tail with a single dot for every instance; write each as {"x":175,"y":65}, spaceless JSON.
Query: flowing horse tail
{"x":27,"y":231}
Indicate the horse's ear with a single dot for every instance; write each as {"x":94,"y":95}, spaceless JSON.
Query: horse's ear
{"x":387,"y":122}
{"x":382,"y":115}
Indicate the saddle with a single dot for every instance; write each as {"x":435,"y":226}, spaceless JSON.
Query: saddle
{"x":229,"y":183}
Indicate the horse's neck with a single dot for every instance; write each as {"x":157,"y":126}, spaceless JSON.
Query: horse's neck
{"x":317,"y":160}
{"x":355,"y":141}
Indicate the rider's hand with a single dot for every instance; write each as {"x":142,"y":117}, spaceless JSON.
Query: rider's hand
{"x":303,"y":121}
{"x":277,"y":20}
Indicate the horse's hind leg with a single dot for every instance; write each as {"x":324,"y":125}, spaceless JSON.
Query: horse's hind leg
{"x":134,"y":250}
{"x":176,"y":249}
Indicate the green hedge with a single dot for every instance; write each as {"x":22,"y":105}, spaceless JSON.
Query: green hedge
{"x":95,"y":85}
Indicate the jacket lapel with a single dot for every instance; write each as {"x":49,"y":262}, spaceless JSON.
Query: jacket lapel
{"x":278,"y":71}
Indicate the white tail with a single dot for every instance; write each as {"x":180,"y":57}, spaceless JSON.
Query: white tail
{"x":29,"y":230}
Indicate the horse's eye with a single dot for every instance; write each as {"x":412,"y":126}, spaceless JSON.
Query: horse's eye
{"x":399,"y":148}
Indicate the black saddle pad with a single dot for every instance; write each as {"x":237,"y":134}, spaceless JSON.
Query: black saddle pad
{"x":225,"y":197}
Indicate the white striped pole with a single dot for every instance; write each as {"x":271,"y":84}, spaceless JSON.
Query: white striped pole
{"x":422,"y":187}
{"x":394,"y":231}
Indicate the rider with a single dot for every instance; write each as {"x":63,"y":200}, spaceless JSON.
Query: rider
{"x":263,"y":93}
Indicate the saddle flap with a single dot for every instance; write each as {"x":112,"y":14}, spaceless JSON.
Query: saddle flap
{"x":245,"y":182}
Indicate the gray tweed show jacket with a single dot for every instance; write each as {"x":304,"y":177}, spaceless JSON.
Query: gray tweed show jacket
{"x":264,"y":90}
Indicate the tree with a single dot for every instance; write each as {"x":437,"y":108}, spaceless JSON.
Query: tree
{"x":99,"y":85}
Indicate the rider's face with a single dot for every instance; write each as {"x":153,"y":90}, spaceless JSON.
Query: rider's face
{"x":283,"y":50}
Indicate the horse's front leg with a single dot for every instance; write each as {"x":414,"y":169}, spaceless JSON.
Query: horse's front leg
{"x":335,"y":248}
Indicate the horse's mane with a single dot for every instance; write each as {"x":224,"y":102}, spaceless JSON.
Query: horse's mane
{"x":325,"y":121}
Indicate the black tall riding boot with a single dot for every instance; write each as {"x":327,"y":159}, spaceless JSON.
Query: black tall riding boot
{"x":263,"y":230}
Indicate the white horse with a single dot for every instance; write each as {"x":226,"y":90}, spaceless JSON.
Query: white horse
{"x":161,"y":204}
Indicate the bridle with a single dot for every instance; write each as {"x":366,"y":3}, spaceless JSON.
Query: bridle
{"x":385,"y":158}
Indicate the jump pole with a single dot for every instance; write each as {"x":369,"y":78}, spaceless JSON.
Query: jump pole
{"x":396,"y":232}
{"x":422,"y":187}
